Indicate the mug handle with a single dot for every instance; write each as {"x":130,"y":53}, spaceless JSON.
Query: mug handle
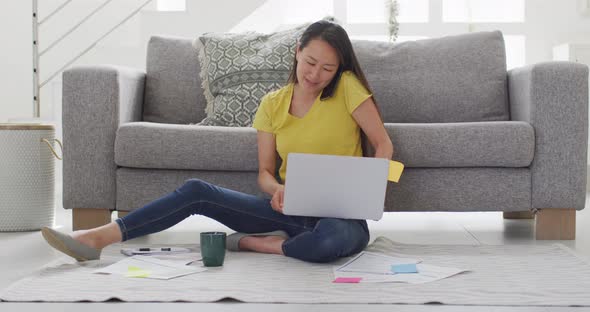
{"x":53,"y":150}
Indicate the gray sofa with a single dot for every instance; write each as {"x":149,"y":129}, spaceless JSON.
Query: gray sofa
{"x":473,"y":136}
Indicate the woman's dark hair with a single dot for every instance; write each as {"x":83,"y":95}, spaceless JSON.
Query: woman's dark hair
{"x":336,"y":37}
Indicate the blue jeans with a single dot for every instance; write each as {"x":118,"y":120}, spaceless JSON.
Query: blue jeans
{"x":311,"y":239}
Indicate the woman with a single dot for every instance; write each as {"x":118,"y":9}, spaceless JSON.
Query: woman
{"x":322,"y":110}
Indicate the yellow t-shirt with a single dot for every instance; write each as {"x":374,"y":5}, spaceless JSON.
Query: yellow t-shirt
{"x":327,"y":128}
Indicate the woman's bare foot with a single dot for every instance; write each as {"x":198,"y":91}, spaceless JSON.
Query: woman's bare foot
{"x":99,"y":237}
{"x":266,"y":244}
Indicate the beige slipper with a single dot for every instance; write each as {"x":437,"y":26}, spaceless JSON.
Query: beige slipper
{"x":71,"y":247}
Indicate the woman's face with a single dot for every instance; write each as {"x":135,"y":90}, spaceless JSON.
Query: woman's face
{"x":317,"y":64}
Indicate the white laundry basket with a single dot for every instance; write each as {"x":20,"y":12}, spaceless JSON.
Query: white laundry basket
{"x":27,"y":176}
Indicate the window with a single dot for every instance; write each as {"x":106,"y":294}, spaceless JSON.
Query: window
{"x":376,"y":11}
{"x":419,"y":19}
{"x":412,"y":11}
{"x":483,"y":11}
{"x":303,"y":11}
{"x":515,"y":51}
{"x":367,"y":11}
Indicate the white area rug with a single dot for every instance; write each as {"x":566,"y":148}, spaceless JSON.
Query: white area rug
{"x":500,"y":275}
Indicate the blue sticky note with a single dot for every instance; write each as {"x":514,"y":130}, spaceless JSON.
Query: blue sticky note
{"x":404,"y":268}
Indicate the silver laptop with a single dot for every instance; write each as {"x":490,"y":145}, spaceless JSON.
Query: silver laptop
{"x":344,"y":187}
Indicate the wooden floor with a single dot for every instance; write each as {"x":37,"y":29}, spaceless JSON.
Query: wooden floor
{"x":27,"y":251}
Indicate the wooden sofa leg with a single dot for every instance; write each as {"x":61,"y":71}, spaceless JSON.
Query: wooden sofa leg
{"x":519,"y":215}
{"x":121,"y":214}
{"x":555,"y":224}
{"x":88,"y":218}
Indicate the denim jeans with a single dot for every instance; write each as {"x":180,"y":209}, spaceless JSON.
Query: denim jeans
{"x":311,"y":239}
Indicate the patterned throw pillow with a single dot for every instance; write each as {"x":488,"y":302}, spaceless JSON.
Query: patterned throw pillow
{"x":237,"y":70}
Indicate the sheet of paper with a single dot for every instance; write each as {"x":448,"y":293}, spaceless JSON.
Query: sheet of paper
{"x":426,"y":273}
{"x":369,"y":262}
{"x":347,"y":280}
{"x":182,"y":258}
{"x":149,"y":267}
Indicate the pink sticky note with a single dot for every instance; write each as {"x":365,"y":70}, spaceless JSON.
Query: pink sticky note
{"x":347,"y":280}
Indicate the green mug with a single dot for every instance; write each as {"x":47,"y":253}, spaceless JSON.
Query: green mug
{"x":213,"y":248}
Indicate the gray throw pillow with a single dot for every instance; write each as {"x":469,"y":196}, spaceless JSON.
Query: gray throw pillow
{"x":237,"y":70}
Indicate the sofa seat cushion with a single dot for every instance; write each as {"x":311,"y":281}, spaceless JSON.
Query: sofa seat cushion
{"x":173,"y":146}
{"x":465,"y":144}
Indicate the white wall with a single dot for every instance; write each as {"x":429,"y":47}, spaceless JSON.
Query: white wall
{"x":553,"y":22}
{"x":16,"y":82}
{"x":126,"y":46}
{"x":548,"y":23}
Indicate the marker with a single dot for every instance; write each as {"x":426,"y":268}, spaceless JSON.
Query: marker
{"x":155,"y":249}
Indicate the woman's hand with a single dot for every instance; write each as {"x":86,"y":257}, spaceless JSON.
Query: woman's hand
{"x":277,"y":199}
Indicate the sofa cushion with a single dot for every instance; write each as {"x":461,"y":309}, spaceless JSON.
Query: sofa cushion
{"x":463,"y":144}
{"x":458,"y":78}
{"x":239,"y":69}
{"x":449,"y":79}
{"x":172,"y":88}
{"x":472,"y":144}
{"x":170,"y":146}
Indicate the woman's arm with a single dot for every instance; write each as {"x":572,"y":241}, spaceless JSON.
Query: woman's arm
{"x":384,"y":150}
{"x":267,"y":163}
{"x":368,"y":119}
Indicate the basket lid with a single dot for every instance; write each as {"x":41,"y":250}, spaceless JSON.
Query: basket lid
{"x":26,"y":126}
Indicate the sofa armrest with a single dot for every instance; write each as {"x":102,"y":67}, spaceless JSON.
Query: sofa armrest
{"x":553,"y":98}
{"x":96,"y":100}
